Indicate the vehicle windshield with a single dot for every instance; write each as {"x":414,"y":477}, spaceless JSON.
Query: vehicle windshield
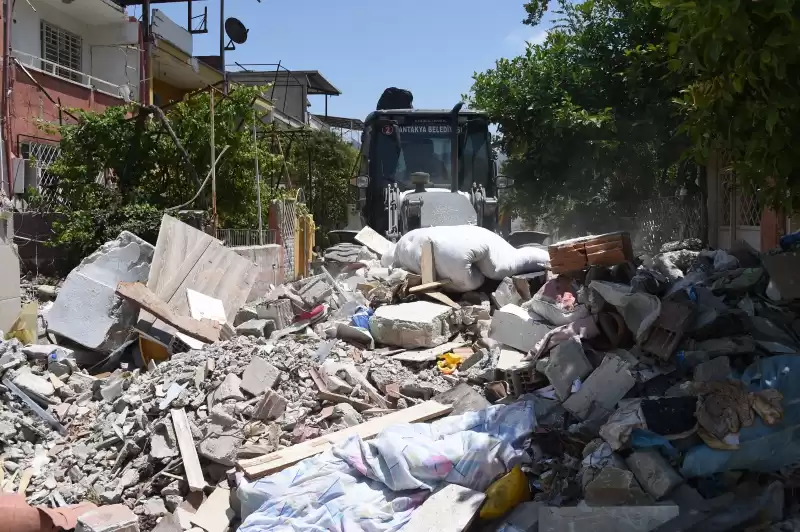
{"x":426,"y":146}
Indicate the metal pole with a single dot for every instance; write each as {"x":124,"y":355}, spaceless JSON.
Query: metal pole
{"x":258,"y":182}
{"x":222,"y":46}
{"x":147,"y":37}
{"x":213,"y":166}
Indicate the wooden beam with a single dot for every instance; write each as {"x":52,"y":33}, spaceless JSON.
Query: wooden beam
{"x":191,"y":463}
{"x":265,"y":465}
{"x":450,"y":509}
{"x":27,"y":475}
{"x":428,"y":287}
{"x":205,"y":331}
{"x":442,"y":298}
{"x":427,"y":267}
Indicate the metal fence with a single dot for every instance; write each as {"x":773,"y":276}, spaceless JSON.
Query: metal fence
{"x":667,"y":219}
{"x":43,"y":155}
{"x":245,"y":237}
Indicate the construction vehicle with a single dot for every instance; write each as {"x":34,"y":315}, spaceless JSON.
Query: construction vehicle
{"x":425,"y":168}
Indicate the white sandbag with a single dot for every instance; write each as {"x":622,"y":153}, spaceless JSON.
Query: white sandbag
{"x":465,"y":255}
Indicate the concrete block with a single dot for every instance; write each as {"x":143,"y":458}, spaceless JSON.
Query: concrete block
{"x":10,"y":302}
{"x":716,"y":369}
{"x":268,"y":259}
{"x":608,"y":519}
{"x":410,"y":325}
{"x":229,"y":389}
{"x":112,"y":518}
{"x":614,"y":487}
{"x":257,"y":328}
{"x":602,"y":390}
{"x":279,"y":311}
{"x":271,"y":406}
{"x":245,"y":314}
{"x":87,"y":310}
{"x":524,"y":518}
{"x":508,"y":359}
{"x":513,"y":326}
{"x":34,"y":384}
{"x":653,"y":472}
{"x":567,"y":363}
{"x":259,"y":376}
{"x":314,"y":291}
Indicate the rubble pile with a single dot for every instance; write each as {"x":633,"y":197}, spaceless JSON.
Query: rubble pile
{"x":661,"y":388}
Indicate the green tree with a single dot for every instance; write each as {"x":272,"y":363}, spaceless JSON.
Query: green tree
{"x":121,"y":172}
{"x":741,"y":60}
{"x":587,"y":118}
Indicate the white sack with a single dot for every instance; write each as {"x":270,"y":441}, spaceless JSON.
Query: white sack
{"x":465,"y":255}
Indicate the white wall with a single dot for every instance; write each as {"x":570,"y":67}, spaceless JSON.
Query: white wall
{"x":104,"y":53}
{"x":288,"y":100}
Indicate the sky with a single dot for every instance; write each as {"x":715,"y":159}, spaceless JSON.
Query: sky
{"x":430,"y":47}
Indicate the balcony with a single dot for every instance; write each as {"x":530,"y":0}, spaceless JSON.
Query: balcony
{"x":31,"y":64}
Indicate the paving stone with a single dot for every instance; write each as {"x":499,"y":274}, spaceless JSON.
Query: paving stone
{"x":602,"y":390}
{"x":566,"y":364}
{"x":259,"y":376}
{"x":653,"y":472}
{"x":112,"y":518}
{"x":614,"y":487}
{"x":514,"y":326}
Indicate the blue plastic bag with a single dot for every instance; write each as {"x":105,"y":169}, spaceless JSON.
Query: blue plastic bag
{"x":361,"y":317}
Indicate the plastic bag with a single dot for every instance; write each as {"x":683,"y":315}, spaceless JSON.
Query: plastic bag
{"x":465,"y":255}
{"x":361,"y":317}
{"x":26,"y":327}
{"x":506,"y":493}
{"x":556,"y":302}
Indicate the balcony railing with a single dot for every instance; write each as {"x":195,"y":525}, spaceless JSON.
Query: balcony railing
{"x":32,"y":62}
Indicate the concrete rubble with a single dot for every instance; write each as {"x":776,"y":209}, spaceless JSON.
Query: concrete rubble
{"x":623,"y":397}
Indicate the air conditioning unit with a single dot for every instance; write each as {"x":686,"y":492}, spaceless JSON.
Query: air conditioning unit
{"x":33,"y":175}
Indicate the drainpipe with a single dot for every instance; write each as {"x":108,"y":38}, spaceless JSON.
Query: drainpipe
{"x":142,"y":68}
{"x":5,"y":111}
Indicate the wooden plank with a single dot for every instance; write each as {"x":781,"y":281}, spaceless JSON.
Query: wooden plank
{"x":427,"y":266}
{"x":206,"y":331}
{"x":426,"y":287}
{"x":450,"y":509}
{"x":325,"y":394}
{"x":215,"y":514}
{"x":27,"y":475}
{"x":429,"y":355}
{"x":259,"y":467}
{"x":373,"y":240}
{"x":441,"y":298}
{"x":191,"y":463}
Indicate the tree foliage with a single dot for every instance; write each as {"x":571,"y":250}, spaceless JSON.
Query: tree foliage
{"x":586,"y":117}
{"x":118,"y":172}
{"x":741,"y":61}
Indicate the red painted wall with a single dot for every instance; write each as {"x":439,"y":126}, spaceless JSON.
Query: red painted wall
{"x":30,"y":107}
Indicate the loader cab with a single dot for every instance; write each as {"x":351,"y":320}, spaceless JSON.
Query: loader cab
{"x":399,"y":143}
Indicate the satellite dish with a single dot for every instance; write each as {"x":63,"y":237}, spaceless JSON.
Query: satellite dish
{"x":236,"y":30}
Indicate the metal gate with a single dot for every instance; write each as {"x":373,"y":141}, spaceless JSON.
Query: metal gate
{"x":287,"y":225}
{"x":740,"y":213}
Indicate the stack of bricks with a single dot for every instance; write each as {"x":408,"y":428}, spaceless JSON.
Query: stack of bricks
{"x":579,"y":253}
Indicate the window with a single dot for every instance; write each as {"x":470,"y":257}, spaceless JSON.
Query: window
{"x":60,"y":47}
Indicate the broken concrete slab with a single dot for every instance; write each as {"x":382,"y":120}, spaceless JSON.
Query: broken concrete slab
{"x":34,"y":385}
{"x":314,"y":291}
{"x":111,"y":518}
{"x":524,"y":518}
{"x":271,"y":406}
{"x":567,"y":363}
{"x":259,"y":376}
{"x":653,"y":472}
{"x":258,"y":328}
{"x":411,"y":325}
{"x":245,"y":314}
{"x":716,"y":369}
{"x":614,"y":487}
{"x":602,"y":390}
{"x":463,"y":398}
{"x":279,"y":311}
{"x":230,"y":388}
{"x":605,"y":519}
{"x":10,"y":300}
{"x":514,"y":326}
{"x":89,"y":294}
